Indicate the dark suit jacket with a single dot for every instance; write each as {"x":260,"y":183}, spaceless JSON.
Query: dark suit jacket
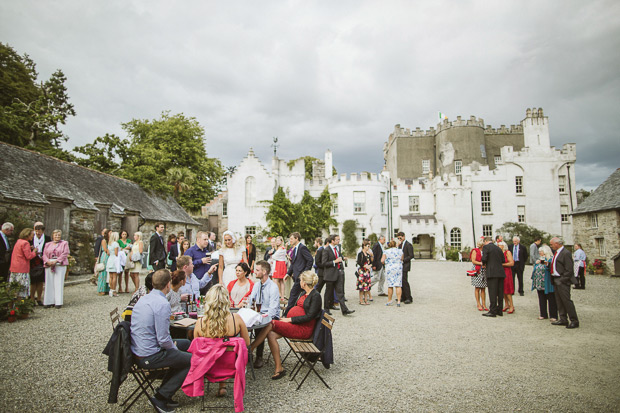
{"x":407,"y":255}
{"x":330,"y":270}
{"x":523,"y":254}
{"x":377,"y":253}
{"x":5,"y":255}
{"x":173,"y":254}
{"x":318,"y":261}
{"x":157,"y":249}
{"x":493,"y":258}
{"x":302,"y":262}
{"x":564,"y":266}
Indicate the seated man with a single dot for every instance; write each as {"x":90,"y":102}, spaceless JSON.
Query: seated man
{"x":266,"y":295}
{"x":193,"y":285}
{"x":152,"y":345}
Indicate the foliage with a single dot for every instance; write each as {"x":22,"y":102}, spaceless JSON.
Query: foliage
{"x":309,"y":217}
{"x":18,"y":220}
{"x":452,"y":253}
{"x":598,"y":264}
{"x":349,"y":238}
{"x":373,"y":238}
{"x":308,"y":165}
{"x":166,"y":156}
{"x":32,"y":112}
{"x":10,"y":303}
{"x":526,"y":233}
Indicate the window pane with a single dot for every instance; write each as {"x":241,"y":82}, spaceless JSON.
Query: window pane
{"x":564,"y":213}
{"x":519,"y":184}
{"x":458,"y":165}
{"x":414,"y":204}
{"x":487,"y":230}
{"x":426,"y":166}
{"x":520,"y":213}
{"x":562,"y":183}
{"x":455,"y":238}
{"x":359,"y":201}
{"x":485,"y":199}
{"x":335,"y":204}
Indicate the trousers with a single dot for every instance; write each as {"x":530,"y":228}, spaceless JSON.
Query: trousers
{"x":378,"y":277}
{"x":179,"y":362}
{"x":518,"y":271}
{"x":496,"y":295}
{"x":562,"y":296}
{"x":547,"y":300}
{"x":54,"y":285}
{"x":406,"y":294}
{"x":338,"y":287}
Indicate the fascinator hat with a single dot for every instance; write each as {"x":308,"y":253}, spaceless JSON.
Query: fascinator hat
{"x":232,"y":235}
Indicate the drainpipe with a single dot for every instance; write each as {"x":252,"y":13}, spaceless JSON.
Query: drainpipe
{"x":570,"y":190}
{"x":389,"y":235}
{"x":473,"y":228}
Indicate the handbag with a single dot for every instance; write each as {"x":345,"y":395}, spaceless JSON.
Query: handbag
{"x":472,"y":273}
{"x":99,"y":266}
{"x":136,"y":256}
{"x":130,"y":265}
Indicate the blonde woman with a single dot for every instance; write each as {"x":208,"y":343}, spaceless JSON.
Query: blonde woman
{"x":136,"y":257}
{"x":230,"y":255}
{"x":218,"y":322}
{"x":114,"y":249}
{"x":279,"y":271}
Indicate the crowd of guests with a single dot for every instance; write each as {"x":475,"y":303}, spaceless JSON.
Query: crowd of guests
{"x":496,"y":267}
{"x":35,"y":261}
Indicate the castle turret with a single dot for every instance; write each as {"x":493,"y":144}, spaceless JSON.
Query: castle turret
{"x":535,"y":129}
{"x":329,"y":163}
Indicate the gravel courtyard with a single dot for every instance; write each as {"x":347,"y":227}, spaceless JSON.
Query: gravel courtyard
{"x":437,"y":354}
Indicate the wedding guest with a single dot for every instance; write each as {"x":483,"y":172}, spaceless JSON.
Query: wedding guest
{"x":125,"y":245}
{"x":201,"y":258}
{"x":104,"y":254}
{"x":479,"y":281}
{"x":250,"y":252}
{"x":172,"y":239}
{"x":218,"y":322}
{"x":137,"y":249}
{"x":299,"y":323}
{"x":55,"y":259}
{"x":534,"y":255}
{"x":112,"y":265}
{"x":231,"y":254}
{"x":23,"y":252}
{"x":542,"y":283}
{"x":185,"y":245}
{"x":242,"y":286}
{"x":579,"y":257}
{"x":5,"y":250}
{"x":492,"y":259}
{"x":270,"y":250}
{"x":392,"y":260}
{"x":563,"y":276}
{"x":177,"y":281}
{"x":364,"y":264}
{"x":37,"y":269}
{"x":509,"y":287}
{"x":280,"y":269}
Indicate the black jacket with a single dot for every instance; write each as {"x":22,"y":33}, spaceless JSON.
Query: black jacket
{"x":322,"y":339}
{"x":407,"y":254}
{"x":157,"y":249}
{"x":318,"y":264}
{"x":377,"y":253}
{"x":564,"y":266}
{"x":523,"y":255}
{"x":312,"y":307}
{"x":120,"y":358}
{"x":493,"y":258}
{"x":330,"y":269}
{"x":302,"y":262}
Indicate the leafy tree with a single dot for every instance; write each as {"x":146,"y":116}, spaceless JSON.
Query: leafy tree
{"x":526,"y":233}
{"x":31,"y":113}
{"x":280,"y":216}
{"x":106,"y":154}
{"x":349,"y":238}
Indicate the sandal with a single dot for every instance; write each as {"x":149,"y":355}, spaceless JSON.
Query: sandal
{"x":279,"y":375}
{"x":221,"y":392}
{"x":389,"y":303}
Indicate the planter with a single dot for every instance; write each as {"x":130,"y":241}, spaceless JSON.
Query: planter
{"x":11,"y":319}
{"x":598,"y":271}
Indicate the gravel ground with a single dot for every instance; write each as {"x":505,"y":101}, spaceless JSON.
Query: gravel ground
{"x":437,"y":354}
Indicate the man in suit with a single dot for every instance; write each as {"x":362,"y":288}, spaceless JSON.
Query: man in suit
{"x":302,"y":261}
{"x":173,"y":254}
{"x":534,"y":255}
{"x":211,"y":246}
{"x":519,"y":254}
{"x":378,"y":271}
{"x":492,"y":259}
{"x":157,"y":248}
{"x":6,"y":250}
{"x":333,"y":273}
{"x":318,"y":264}
{"x":407,"y":256}
{"x":562,"y":274}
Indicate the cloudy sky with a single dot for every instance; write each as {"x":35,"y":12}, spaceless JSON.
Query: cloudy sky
{"x":332,"y":74}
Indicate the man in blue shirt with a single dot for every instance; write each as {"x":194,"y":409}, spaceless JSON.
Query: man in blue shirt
{"x":152,"y":345}
{"x":192,"y":284}
{"x":200,"y":254}
{"x":266,"y":294}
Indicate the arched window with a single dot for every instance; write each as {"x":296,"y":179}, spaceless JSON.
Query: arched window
{"x":250,"y":191}
{"x":455,"y":238}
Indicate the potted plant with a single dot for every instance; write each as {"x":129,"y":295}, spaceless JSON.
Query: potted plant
{"x":599,"y":266}
{"x":12,"y":317}
{"x":24,"y":307}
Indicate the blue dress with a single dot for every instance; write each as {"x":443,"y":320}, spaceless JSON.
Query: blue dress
{"x":394,"y":267}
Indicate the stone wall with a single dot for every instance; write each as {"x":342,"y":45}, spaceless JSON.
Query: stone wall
{"x":608,"y":229}
{"x":81,"y":240}
{"x":29,"y":212}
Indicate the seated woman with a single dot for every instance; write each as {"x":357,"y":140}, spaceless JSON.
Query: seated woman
{"x":242,"y":286}
{"x":174,"y":295}
{"x":298,"y":325}
{"x":219,"y":322}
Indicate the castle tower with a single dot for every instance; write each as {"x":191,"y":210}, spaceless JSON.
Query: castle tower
{"x":329,"y":164}
{"x":536,"y":129}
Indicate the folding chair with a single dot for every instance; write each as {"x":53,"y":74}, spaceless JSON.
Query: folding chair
{"x":227,"y":381}
{"x":115,"y":318}
{"x":307,"y":353}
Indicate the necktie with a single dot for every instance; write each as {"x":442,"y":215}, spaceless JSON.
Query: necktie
{"x":336,"y":253}
{"x":515,"y":252}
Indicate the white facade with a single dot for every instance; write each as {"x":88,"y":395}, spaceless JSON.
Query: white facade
{"x":531,"y":186}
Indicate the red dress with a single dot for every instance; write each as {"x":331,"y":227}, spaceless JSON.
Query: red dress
{"x":295,"y":331}
{"x":509,"y":287}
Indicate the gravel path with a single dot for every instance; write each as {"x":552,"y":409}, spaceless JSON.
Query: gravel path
{"x":437,"y":354}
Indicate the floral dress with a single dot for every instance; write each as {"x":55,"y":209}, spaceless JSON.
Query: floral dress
{"x":541,"y":278}
{"x":394,"y":267}
{"x":363,"y":273}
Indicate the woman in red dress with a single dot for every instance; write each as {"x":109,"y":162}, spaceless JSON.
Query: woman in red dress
{"x":298,"y":324}
{"x":279,"y":272}
{"x":509,"y":287}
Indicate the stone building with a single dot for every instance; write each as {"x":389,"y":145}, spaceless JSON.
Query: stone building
{"x":443,"y":187}
{"x":81,"y":202}
{"x":596,"y":223}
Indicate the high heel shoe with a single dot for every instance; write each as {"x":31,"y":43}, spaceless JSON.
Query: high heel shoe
{"x":505,"y":309}
{"x":511,"y":311}
{"x":480,"y":308}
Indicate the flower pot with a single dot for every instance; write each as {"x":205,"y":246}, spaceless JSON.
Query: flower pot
{"x":598,"y":271}
{"x":11,"y":319}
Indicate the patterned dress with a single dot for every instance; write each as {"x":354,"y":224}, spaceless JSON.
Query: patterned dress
{"x":363,"y":273}
{"x":480,"y":280}
{"x":102,"y":277}
{"x":541,"y":279}
{"x":394,"y":267}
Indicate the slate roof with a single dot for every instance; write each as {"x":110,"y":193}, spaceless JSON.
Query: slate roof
{"x":33,"y":177}
{"x":605,"y":197}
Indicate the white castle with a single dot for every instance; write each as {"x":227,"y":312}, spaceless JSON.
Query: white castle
{"x":443,"y":187}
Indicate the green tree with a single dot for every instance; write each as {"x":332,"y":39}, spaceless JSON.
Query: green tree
{"x":280,"y":215}
{"x":106,"y":154}
{"x":32,"y":112}
{"x":349,"y":238}
{"x":526,"y":233}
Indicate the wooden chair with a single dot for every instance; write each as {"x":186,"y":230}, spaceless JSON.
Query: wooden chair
{"x":307,"y":353}
{"x":115,"y":318}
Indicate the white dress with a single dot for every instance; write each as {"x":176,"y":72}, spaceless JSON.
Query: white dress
{"x":231,"y":259}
